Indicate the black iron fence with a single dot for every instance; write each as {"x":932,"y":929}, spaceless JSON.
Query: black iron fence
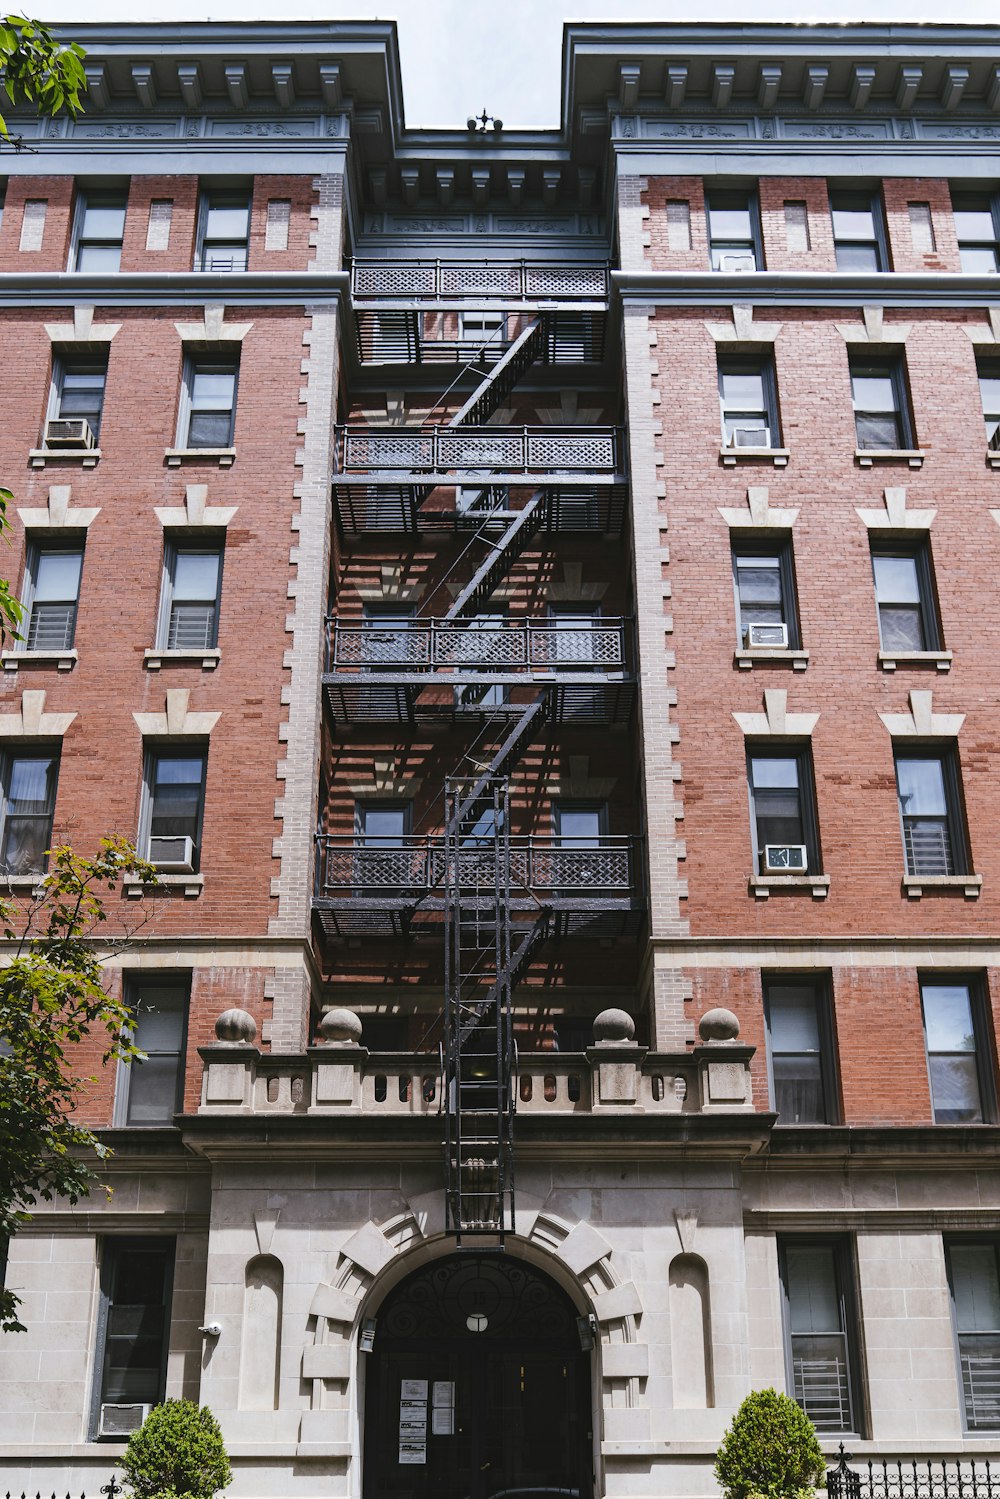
{"x":111,"y":1490}
{"x":972,"y":1478}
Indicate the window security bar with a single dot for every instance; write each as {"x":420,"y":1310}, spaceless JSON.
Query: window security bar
{"x":51,"y":627}
{"x":515,"y":280}
{"x":928,"y":847}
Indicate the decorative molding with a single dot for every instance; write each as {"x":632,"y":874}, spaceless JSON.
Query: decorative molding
{"x":759,"y":512}
{"x":775,"y":722}
{"x":686,"y":1220}
{"x":874,"y":330}
{"x":82,"y":330}
{"x":195,"y":511}
{"x":213,"y":328}
{"x":177,"y":721}
{"x":921,"y":721}
{"x":265,"y":1221}
{"x":991,"y":335}
{"x":58,"y":512}
{"x":895,"y":516}
{"x":30,"y":720}
{"x":743,"y":329}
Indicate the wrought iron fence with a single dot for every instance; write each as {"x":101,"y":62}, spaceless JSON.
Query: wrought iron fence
{"x":456,"y":449}
{"x":414,"y":865}
{"x":510,"y":646}
{"x":437,"y":280}
{"x":975,"y":1478}
{"x":111,"y":1490}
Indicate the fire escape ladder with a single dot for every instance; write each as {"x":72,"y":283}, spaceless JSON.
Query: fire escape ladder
{"x":478,"y":1046}
{"x":501,"y":555}
{"x":497,"y":385}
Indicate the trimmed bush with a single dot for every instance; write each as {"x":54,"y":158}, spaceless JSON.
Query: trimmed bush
{"x":177,"y":1453}
{"x":770,"y":1450}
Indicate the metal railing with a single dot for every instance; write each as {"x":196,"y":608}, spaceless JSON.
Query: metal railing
{"x":456,"y":449}
{"x":516,"y":646}
{"x":958,"y":1478}
{"x":414,"y":865}
{"x":979,"y":1356}
{"x":518,"y":280}
{"x":51,"y":627}
{"x":927,"y":844}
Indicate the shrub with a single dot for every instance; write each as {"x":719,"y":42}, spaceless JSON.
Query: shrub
{"x":770,"y":1449}
{"x":177,"y":1453}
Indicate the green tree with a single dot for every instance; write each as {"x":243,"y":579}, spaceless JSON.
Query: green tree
{"x":177,"y":1453}
{"x":34,"y":69}
{"x":52,"y":999}
{"x":769,"y":1449}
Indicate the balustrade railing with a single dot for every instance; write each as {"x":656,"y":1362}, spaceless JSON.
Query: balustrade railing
{"x":518,"y":645}
{"x":413,"y":866}
{"x":509,"y":450}
{"x":516,"y":280}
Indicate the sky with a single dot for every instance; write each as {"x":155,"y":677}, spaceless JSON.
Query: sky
{"x":462,"y":56}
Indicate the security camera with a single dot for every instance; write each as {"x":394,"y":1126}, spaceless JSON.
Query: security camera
{"x":211,"y":1329}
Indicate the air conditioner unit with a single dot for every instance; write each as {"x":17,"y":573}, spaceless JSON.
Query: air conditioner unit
{"x":761,"y":636}
{"x":741,"y":262}
{"x":172,"y":853}
{"x":121,"y":1420}
{"x":69,"y":432}
{"x":785,"y":858}
{"x":750,"y":437}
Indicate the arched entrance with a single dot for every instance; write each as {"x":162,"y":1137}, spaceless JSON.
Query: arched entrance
{"x":477,"y":1386}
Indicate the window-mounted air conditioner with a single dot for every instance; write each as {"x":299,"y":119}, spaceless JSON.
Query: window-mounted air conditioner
{"x":761,"y":636}
{"x":785,"y":858}
{"x":121,"y":1420}
{"x":750,"y":437}
{"x":69,"y":432}
{"x":742,"y":262}
{"x":169,"y":853}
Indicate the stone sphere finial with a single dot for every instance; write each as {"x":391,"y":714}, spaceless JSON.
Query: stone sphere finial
{"x":614,"y":1028}
{"x":236,"y":1028}
{"x":718,"y":1025}
{"x":340,"y":1027}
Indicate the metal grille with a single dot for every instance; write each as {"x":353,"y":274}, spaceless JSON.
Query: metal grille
{"x":513,"y":646}
{"x":417,"y":864}
{"x":822,"y":1389}
{"x":192,"y":627}
{"x":448,"y":449}
{"x":980,"y":1361}
{"x":928,"y":846}
{"x":511,"y":279}
{"x":51,"y":627}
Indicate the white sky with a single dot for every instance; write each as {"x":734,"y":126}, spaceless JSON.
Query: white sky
{"x":461,"y":56}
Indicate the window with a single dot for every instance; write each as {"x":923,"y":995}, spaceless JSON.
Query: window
{"x":930,"y":813}
{"x":99,"y":233}
{"x":765,"y":594}
{"x":224,"y":231}
{"x":382,"y":824}
{"x":976,"y":225}
{"x":734,"y":231}
{"x":800,"y":1050}
{"x":192,"y":580}
{"x":482,"y":327}
{"x":859,"y":231}
{"x":175,"y":800}
{"x":78,"y":390}
{"x":904,"y":595}
{"x":50,"y":596}
{"x":749,"y":400}
{"x":133,"y":1328}
{"x":820,"y":1332}
{"x":29,"y":798}
{"x":783,"y":811}
{"x":881,"y":408}
{"x":209,"y":408}
{"x":989,"y":390}
{"x":151,"y":1091}
{"x":956,"y":1034}
{"x":579,"y":825}
{"x":975,"y":1301}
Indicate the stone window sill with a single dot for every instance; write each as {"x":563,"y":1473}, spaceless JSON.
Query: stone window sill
{"x":797,"y":660}
{"x":993,"y":458}
{"x":86,"y":457}
{"x":224,"y":457}
{"x":763,"y":885}
{"x":731,"y":456}
{"x":865,"y":457}
{"x":191,"y":884}
{"x":889,"y":660}
{"x":207,"y":660}
{"x":22,"y":884}
{"x":915,"y":886}
{"x":61,"y":660}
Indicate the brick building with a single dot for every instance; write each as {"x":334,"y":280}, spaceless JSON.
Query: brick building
{"x":526,"y":591}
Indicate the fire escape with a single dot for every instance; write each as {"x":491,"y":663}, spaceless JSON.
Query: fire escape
{"x":495,"y":897}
